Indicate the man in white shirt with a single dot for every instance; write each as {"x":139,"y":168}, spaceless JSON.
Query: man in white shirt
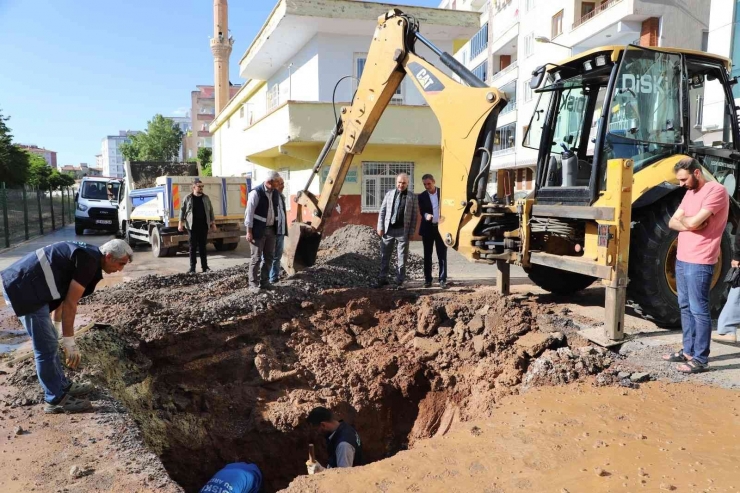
{"x":429,"y":202}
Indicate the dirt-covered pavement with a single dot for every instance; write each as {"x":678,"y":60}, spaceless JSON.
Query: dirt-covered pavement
{"x":211,"y":374}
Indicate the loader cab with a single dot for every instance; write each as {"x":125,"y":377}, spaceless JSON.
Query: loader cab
{"x":627,"y":103}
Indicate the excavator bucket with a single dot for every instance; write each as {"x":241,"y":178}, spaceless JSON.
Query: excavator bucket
{"x":301,"y":247}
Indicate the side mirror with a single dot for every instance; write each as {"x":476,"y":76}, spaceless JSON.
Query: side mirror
{"x":537,"y":77}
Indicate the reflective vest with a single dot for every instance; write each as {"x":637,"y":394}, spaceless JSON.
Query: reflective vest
{"x":43,"y":277}
{"x":260,"y":212}
{"x":345,"y":433}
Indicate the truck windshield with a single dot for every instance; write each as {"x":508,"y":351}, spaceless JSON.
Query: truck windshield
{"x":645,"y":120}
{"x":100,"y":190}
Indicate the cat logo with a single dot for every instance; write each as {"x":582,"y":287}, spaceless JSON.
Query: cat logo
{"x":424,"y":78}
{"x":428,"y":83}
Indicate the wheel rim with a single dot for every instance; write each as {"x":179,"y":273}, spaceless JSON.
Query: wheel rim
{"x":670,"y":268}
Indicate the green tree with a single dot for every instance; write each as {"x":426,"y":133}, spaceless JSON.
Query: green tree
{"x":160,"y":142}
{"x":58,"y":180}
{"x":205,"y":156}
{"x":13,"y":161}
{"x":39,"y":171}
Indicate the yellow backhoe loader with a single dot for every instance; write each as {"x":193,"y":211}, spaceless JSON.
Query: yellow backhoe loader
{"x":609,"y":126}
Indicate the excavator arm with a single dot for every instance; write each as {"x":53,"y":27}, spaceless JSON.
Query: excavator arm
{"x":467,"y":116}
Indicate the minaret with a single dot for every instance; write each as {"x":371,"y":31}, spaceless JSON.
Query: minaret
{"x":221,"y":48}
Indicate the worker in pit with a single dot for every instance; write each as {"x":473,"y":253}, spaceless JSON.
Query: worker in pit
{"x":239,"y":477}
{"x":52,"y":280}
{"x":342,"y":441}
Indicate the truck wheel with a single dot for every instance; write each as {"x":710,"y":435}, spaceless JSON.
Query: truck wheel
{"x":558,"y":281}
{"x":219,"y":245}
{"x":155,"y":238}
{"x":652,"y":265}
{"x":79,"y":229}
{"x":231,"y":246}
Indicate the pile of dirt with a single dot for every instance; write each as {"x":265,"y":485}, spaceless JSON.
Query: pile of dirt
{"x":153,"y":306}
{"x":400,"y":367}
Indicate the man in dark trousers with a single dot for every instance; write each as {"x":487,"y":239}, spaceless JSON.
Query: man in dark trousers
{"x":429,"y":202}
{"x":342,"y":441}
{"x":197,"y":212}
{"x":53,"y":279}
{"x":396,"y":223}
{"x":261,"y":219}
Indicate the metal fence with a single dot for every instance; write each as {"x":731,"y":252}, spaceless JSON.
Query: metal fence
{"x":28,"y":212}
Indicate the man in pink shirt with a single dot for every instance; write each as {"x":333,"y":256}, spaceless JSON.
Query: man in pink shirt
{"x":700,"y":220}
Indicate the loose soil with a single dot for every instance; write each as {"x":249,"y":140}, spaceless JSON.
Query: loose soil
{"x":213,"y":374}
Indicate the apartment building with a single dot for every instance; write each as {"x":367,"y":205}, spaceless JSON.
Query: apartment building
{"x":186,"y":151}
{"x":82,"y":170}
{"x":111,"y":159}
{"x":202,"y":112}
{"x":49,"y":156}
{"x":282,"y":116}
{"x":517,"y":36}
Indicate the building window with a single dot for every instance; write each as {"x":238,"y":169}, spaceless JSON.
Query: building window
{"x":528,"y":45}
{"x":505,"y":138}
{"x":557,"y":24}
{"x":378,"y":178}
{"x":241,"y":112}
{"x":528,"y":92}
{"x":273,"y":98}
{"x":360,"y":60}
{"x":479,"y":41}
{"x":587,"y":8}
{"x":481,"y":71}
{"x":529,"y":5}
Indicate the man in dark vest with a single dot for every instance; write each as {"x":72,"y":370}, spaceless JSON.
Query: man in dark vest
{"x":197,"y":212}
{"x":429,"y":202}
{"x":282,"y":231}
{"x":261,"y":219}
{"x":342,"y":441}
{"x":53,"y":279}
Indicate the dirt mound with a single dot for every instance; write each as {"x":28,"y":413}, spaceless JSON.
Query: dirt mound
{"x":155,"y":305}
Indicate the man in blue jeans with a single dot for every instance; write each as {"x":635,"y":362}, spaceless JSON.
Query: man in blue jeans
{"x":50,"y":280}
{"x":700,"y":220}
{"x":280,"y":233}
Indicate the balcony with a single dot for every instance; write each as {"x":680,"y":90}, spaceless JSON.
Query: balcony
{"x":479,"y":42}
{"x":206,"y":117}
{"x":499,"y":76}
{"x":598,"y":10}
{"x":503,"y":152}
{"x":204,"y":133}
{"x":510,"y":106}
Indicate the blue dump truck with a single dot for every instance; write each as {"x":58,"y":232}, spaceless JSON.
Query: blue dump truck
{"x":149,"y":206}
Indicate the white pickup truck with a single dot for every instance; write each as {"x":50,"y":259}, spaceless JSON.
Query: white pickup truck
{"x":151,"y":214}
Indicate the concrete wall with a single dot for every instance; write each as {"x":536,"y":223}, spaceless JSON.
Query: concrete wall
{"x":301,"y":81}
{"x":682,"y":22}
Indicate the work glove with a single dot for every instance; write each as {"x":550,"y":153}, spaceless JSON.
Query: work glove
{"x":71,"y":353}
{"x":58,"y":327}
{"x":314,"y":467}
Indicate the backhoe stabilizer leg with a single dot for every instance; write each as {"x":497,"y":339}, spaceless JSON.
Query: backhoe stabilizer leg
{"x":616,"y":298}
{"x":503,"y":277}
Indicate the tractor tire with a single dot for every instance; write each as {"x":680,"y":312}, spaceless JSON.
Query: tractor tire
{"x":155,"y":238}
{"x":558,"y":281}
{"x":652,"y":261}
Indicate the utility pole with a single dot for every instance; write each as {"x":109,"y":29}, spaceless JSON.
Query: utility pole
{"x":221,"y":45}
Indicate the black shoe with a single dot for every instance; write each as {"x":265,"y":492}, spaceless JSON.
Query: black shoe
{"x":192,"y":270}
{"x":428,"y":284}
{"x":443,"y":284}
{"x":206,"y":269}
{"x":381,"y":282}
{"x":266,"y":287}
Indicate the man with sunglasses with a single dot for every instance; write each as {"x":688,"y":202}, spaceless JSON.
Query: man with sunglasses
{"x":47,"y":285}
{"x":197,"y":213}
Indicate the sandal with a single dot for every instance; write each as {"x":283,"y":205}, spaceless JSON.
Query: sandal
{"x":693,"y":367}
{"x":677,"y":357}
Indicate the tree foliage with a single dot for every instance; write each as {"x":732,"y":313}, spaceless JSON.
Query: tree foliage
{"x":45,"y":177}
{"x":205,"y":156}
{"x":13,"y":162}
{"x":159,"y":143}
